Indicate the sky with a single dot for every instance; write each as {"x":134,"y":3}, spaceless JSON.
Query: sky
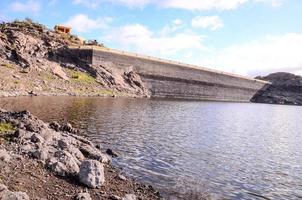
{"x":247,"y":37}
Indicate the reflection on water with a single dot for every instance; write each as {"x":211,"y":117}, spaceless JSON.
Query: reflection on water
{"x":231,"y":150}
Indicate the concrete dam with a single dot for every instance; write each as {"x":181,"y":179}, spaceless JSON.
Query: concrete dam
{"x":170,"y":79}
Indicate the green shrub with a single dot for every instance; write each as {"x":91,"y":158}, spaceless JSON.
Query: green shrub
{"x":81,"y":77}
{"x":6,"y":128}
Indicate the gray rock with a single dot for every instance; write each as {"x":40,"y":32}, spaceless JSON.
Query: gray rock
{"x":105,"y":159}
{"x":67,"y":127}
{"x":92,"y":173}
{"x":27,"y":147}
{"x":2,"y":188}
{"x":83,"y":196}
{"x":129,"y":197}
{"x":32,"y":128}
{"x":55,"y":126}
{"x":82,"y":139}
{"x":63,"y":144}
{"x":76,"y":153}
{"x":41,"y":154}
{"x":35,"y":138}
{"x":20,"y":133}
{"x":4,"y":155}
{"x":93,"y":153}
{"x":63,"y":164}
{"x":98,"y":146}
{"x":111,"y":153}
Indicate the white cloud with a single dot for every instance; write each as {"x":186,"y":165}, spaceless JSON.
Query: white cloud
{"x":28,"y":6}
{"x":274,"y":3}
{"x":203,"y":5}
{"x":177,"y":22}
{"x":88,"y":3}
{"x":82,"y":23}
{"x":136,"y":37}
{"x":181,"y":4}
{"x":130,"y":3}
{"x":176,"y":25}
{"x":211,"y":22}
{"x":270,"y":54}
{"x":134,"y":3}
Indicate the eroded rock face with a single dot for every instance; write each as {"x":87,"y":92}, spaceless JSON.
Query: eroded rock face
{"x":92,"y":173}
{"x":285,"y":88}
{"x":122,"y":80}
{"x":33,"y":47}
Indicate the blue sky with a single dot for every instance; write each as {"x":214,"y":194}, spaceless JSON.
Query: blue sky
{"x":248,"y":37}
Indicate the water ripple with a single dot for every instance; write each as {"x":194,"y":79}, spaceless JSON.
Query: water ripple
{"x":187,"y":148}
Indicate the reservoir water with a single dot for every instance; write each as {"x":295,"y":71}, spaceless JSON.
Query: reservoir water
{"x":187,"y":149}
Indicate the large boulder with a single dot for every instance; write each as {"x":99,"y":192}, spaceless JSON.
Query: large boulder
{"x":63,"y":164}
{"x":92,"y":173}
{"x":58,"y":71}
{"x":92,"y":152}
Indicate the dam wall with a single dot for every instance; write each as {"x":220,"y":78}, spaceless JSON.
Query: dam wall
{"x":170,"y":79}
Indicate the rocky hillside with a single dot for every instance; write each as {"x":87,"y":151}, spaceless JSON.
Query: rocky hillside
{"x":36,"y":60}
{"x":285,"y":88}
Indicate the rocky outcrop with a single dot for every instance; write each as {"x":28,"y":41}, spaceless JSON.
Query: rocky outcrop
{"x":285,"y":88}
{"x":32,"y":45}
{"x":42,"y":54}
{"x":122,"y":80}
{"x":56,"y":146}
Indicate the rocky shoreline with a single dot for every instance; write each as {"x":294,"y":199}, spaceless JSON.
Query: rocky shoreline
{"x":4,"y":94}
{"x":285,"y":89}
{"x":52,"y":161}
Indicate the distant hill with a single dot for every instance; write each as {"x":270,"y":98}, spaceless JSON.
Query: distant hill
{"x":286,"y":88}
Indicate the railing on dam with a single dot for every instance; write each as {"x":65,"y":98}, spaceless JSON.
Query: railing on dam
{"x":121,"y":52}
